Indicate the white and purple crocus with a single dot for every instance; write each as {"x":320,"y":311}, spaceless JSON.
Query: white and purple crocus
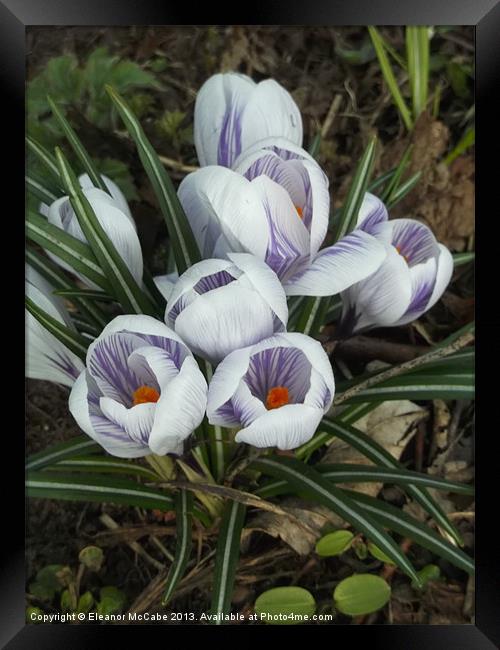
{"x":274,"y":392}
{"x":112,"y":212}
{"x":275,"y":204}
{"x":141,"y":392}
{"x":46,"y":356}
{"x":232,"y":113}
{"x":416,"y":271}
{"x":218,"y":306}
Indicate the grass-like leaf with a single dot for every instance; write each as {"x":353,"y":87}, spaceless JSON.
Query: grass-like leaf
{"x":377,"y":454}
{"x":351,"y":473}
{"x":59,"y":280}
{"x":46,"y":159}
{"x":184,"y":524}
{"x":417,"y":54}
{"x":77,"y":146}
{"x":184,"y":245}
{"x":227,"y":556}
{"x":74,"y":252}
{"x":405,"y":188}
{"x":125,"y":288}
{"x":400,"y":522}
{"x":459,"y":259}
{"x":390,"y":79}
{"x":71,"y":339}
{"x":39,"y":191}
{"x":307,"y":480}
{"x":61,"y":451}
{"x":357,"y":190}
{"x":102,"y":465}
{"x":101,"y":489}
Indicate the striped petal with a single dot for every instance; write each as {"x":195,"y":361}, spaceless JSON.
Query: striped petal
{"x":180,"y":409}
{"x":224,"y":320}
{"x":382,"y":298}
{"x":114,"y":190}
{"x":218,"y":201}
{"x":232,"y":113}
{"x":46,"y":357}
{"x":413,"y":240}
{"x":353,"y":258}
{"x":286,"y":427}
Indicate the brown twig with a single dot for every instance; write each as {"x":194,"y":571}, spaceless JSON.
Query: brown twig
{"x":434,"y":355}
{"x":236,"y":495}
{"x":367,"y":348}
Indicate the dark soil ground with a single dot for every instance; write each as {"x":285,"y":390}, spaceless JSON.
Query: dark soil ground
{"x":308,"y":62}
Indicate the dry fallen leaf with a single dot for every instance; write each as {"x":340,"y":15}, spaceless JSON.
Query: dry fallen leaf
{"x":301,"y":541}
{"x":392,"y":425}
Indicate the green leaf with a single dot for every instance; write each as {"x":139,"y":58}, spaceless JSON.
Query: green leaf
{"x":184,"y":525}
{"x":78,"y":148}
{"x":71,"y":250}
{"x":315,"y":145}
{"x":102,"y":465}
{"x":393,"y":184}
{"x":125,"y":288}
{"x":377,"y":454}
{"x":459,"y":259}
{"x":46,"y":159}
{"x":400,"y":522}
{"x":85,"y":603}
{"x":227,"y":556}
{"x":351,"y":473}
{"x":112,"y":600}
{"x":428,"y":573}
{"x":84,"y":293}
{"x":360,"y":594}
{"x":417,"y":53}
{"x":285,"y":606}
{"x":404,"y":189}
{"x":71,"y":339}
{"x":467,"y":140}
{"x":57,"y":278}
{"x":39,"y":191}
{"x":357,"y":190}
{"x":91,"y":557}
{"x":309,"y":481}
{"x":334,"y":543}
{"x":390,"y":79}
{"x":101,"y":489}
{"x":183,"y":241}
{"x":61,"y":451}
{"x":378,"y":554}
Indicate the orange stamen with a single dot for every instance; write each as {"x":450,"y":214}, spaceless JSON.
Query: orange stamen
{"x":276,"y":397}
{"x":398,"y":248}
{"x":145,"y":394}
{"x":299,"y":211}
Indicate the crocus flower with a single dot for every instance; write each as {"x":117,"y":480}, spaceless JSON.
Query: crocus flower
{"x":275,"y":205}
{"x":412,"y":278}
{"x":46,"y":357}
{"x":166,"y":283}
{"x":141,"y":391}
{"x":218,"y":306}
{"x":115,"y":220}
{"x":113,"y":189}
{"x":232,"y":112}
{"x":277,"y":391}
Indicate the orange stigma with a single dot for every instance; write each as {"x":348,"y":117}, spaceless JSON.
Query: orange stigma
{"x":145,"y":394}
{"x":276,"y":397}
{"x":398,"y":248}
{"x":299,"y":211}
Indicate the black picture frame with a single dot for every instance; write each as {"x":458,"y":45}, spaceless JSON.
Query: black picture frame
{"x":15,"y":17}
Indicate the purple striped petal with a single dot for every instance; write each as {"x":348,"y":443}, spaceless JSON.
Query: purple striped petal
{"x":413,"y":240}
{"x":372,"y":214}
{"x":230,"y":136}
{"x":214,"y":281}
{"x":279,"y":366}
